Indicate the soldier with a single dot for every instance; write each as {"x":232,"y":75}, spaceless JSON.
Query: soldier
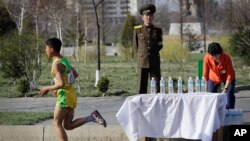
{"x":147,"y":43}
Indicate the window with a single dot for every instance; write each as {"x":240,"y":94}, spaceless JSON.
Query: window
{"x":124,"y":12}
{"x":124,"y":7}
{"x":124,"y":2}
{"x":111,"y":13}
{"x":111,"y":7}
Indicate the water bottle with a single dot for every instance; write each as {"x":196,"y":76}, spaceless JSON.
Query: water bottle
{"x":233,"y":117}
{"x":152,"y":86}
{"x":179,"y":85}
{"x":190,"y":85}
{"x":162,"y":86}
{"x":197,"y":85}
{"x":170,"y":86}
{"x":203,"y":85}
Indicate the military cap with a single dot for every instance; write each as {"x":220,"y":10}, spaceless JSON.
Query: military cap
{"x":147,"y":9}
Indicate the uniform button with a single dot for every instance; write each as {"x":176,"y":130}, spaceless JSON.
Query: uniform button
{"x":148,"y":41}
{"x":148,"y":53}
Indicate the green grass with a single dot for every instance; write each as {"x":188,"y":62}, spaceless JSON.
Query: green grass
{"x":123,"y":75}
{"x":23,"y":118}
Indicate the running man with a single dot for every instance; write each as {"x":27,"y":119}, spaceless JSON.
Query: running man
{"x":65,"y":76}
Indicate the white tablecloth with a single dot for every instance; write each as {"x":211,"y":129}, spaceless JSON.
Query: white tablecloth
{"x":190,"y":116}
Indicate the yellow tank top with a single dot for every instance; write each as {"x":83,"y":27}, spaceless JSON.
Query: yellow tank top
{"x":68,"y":77}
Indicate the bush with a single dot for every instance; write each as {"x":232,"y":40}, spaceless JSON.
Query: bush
{"x":240,"y":42}
{"x":19,"y":55}
{"x":173,"y":51}
{"x":23,"y":86}
{"x":126,"y":54}
{"x":126,"y":38}
{"x":103,"y":85}
{"x":126,"y":33}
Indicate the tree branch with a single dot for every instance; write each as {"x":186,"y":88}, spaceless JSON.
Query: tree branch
{"x":99,"y":3}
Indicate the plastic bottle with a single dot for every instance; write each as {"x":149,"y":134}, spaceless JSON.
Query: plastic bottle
{"x":197,"y":85}
{"x":203,"y":85}
{"x":162,"y":86}
{"x":179,"y":85}
{"x":190,"y":85}
{"x":170,"y":86}
{"x":152,"y":86}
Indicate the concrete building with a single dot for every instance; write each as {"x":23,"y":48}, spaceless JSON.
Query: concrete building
{"x":114,"y":11}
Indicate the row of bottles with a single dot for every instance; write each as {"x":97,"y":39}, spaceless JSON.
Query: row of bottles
{"x":200,"y":86}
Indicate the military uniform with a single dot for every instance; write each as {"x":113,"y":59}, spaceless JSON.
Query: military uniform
{"x":147,"y":43}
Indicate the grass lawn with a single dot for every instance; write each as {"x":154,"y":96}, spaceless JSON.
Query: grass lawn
{"x":123,"y":75}
{"x":23,"y":118}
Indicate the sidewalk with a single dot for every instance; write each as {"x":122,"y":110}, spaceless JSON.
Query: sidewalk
{"x":47,"y":133}
{"x":108,"y":106}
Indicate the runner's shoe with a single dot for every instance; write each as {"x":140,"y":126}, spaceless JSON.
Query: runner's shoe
{"x":98,"y":118}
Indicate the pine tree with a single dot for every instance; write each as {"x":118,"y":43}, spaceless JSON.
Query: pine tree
{"x":126,"y":37}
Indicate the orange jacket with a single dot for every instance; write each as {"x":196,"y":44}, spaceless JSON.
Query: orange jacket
{"x":218,"y":73}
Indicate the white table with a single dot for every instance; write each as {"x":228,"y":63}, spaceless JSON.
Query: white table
{"x":190,"y":116}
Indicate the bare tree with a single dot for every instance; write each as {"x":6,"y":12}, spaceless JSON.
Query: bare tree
{"x":77,"y":38}
{"x":163,"y":11}
{"x":20,"y":11}
{"x":57,"y":11}
{"x":16,"y":10}
{"x":98,"y":71}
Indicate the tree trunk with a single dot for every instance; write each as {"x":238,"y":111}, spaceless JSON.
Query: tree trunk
{"x":86,"y":39}
{"x":20,"y":25}
{"x":77,"y":44}
{"x":98,"y":70}
{"x":37,"y":69}
{"x":204,"y":25}
{"x":181,"y":22}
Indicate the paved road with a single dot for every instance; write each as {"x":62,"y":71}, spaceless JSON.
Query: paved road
{"x":108,"y":106}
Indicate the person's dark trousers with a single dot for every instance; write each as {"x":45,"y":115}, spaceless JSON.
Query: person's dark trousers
{"x":230,"y":92}
{"x":143,"y":77}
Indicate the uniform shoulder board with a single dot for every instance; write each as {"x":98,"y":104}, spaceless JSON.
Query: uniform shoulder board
{"x":138,"y":26}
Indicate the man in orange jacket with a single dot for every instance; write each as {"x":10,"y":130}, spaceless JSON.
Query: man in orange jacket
{"x":217,"y":69}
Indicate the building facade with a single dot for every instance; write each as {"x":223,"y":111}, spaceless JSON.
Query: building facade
{"x":114,"y":11}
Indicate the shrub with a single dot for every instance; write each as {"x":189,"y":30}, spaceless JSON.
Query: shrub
{"x":103,"y":85}
{"x":240,"y":42}
{"x":23,"y":86}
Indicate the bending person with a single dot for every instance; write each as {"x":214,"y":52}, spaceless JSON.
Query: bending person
{"x":217,"y":69}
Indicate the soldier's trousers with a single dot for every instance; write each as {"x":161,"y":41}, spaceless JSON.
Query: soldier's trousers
{"x":143,"y":77}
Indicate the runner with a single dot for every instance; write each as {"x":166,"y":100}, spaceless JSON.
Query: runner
{"x":65,"y":76}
